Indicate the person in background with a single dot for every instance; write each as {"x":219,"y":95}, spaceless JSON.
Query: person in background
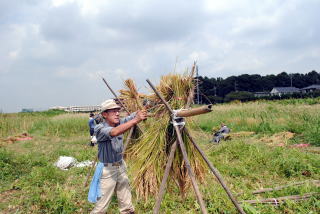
{"x":221,"y":134}
{"x":98,"y":118}
{"x":111,"y":172}
{"x":91,"y":124}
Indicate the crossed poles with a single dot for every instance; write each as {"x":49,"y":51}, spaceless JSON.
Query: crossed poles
{"x":179,"y":141}
{"x":178,"y":130}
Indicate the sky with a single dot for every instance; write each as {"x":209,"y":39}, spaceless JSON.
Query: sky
{"x":54,"y":52}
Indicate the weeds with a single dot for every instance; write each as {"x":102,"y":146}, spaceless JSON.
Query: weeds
{"x":31,"y":184}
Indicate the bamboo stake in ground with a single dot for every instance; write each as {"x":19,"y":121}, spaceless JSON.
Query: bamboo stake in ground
{"x":184,"y":153}
{"x":170,"y":161}
{"x":164,"y":179}
{"x":216,"y":173}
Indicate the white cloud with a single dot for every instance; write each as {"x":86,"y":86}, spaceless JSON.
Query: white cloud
{"x":55,"y":46}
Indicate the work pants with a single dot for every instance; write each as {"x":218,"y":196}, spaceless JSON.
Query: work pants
{"x":114,"y":179}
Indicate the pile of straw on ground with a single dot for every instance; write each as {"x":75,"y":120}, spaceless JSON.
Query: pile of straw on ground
{"x":149,"y":154}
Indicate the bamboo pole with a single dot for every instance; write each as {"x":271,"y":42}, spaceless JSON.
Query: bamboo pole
{"x":284,"y":186}
{"x":115,"y":95}
{"x":216,"y":173}
{"x":90,"y":170}
{"x":194,"y":111}
{"x":191,"y":94}
{"x":170,"y":161}
{"x":184,"y":154}
{"x":190,"y":172}
{"x":164,"y":179}
{"x":278,"y":200}
{"x":128,"y":139}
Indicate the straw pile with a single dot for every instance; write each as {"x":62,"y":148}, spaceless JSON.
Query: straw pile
{"x":148,"y":156}
{"x":130,"y":96}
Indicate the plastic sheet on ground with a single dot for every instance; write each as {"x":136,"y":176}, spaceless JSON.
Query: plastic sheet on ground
{"x":65,"y":163}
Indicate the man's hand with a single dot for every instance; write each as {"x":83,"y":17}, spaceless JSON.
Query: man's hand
{"x":141,"y":115}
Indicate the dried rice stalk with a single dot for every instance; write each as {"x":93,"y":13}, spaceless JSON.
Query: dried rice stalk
{"x":149,"y":155}
{"x":131,"y":98}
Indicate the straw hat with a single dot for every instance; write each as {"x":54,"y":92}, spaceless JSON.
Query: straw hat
{"x":109,"y":104}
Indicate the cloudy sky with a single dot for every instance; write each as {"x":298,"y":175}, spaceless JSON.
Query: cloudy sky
{"x":53,"y":52}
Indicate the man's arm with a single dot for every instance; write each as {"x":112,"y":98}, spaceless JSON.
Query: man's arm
{"x":118,"y":130}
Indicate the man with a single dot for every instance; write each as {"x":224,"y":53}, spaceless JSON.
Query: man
{"x":113,"y":176}
{"x":221,"y":134}
{"x":91,"y":125}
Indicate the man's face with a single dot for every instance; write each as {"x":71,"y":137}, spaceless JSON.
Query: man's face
{"x":112,"y":116}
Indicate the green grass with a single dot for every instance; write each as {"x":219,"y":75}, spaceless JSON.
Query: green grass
{"x":267,"y":118}
{"x":29,"y":182}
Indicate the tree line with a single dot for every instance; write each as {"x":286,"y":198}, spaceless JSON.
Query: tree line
{"x":243,"y":86}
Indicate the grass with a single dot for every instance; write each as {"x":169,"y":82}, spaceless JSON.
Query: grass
{"x":267,"y":118}
{"x":29,"y":183}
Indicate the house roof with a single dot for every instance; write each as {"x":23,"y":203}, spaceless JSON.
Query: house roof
{"x":262,"y":92}
{"x":311,"y":87}
{"x":286,"y":89}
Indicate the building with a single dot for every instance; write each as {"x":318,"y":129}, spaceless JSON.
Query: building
{"x":261,"y":94}
{"x":279,"y":91}
{"x":78,"y":108}
{"x":27,"y":110}
{"x":310,"y":89}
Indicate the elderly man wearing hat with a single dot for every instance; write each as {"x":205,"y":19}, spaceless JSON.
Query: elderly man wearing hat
{"x":110,"y":175}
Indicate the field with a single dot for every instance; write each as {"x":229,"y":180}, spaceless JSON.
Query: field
{"x":260,"y":154}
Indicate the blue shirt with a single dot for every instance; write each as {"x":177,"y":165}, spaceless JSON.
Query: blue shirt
{"x":91,"y":123}
{"x":110,"y":148}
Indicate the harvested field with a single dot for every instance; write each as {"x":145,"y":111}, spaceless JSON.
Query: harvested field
{"x":31,"y":184}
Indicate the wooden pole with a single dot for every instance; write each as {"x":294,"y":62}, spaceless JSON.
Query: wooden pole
{"x":194,"y":111}
{"x":184,"y":154}
{"x":164,"y":179}
{"x":216,"y":173}
{"x":128,"y":139}
{"x":284,"y":186}
{"x":170,"y":160}
{"x":191,"y":93}
{"x":276,"y":201}
{"x":90,"y":170}
{"x":190,"y":172}
{"x":115,"y":95}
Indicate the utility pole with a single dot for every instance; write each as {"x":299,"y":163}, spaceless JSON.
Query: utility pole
{"x":235,"y":86}
{"x":198,"y":94}
{"x":290,"y":75}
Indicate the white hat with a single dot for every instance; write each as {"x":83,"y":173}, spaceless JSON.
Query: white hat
{"x":109,"y":104}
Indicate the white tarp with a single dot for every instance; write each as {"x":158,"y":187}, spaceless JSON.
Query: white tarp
{"x":65,"y":163}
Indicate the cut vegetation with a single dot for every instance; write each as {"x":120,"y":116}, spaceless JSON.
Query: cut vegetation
{"x":250,"y":161}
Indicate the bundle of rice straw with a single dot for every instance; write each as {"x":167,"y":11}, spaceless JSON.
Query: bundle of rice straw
{"x":148,"y":156}
{"x":130,"y":96}
{"x":133,"y":102}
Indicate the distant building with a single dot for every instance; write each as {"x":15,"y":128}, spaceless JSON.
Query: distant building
{"x":261,"y":94}
{"x":27,"y":110}
{"x":310,"y":89}
{"x":77,"y":108}
{"x":278,"y":91}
